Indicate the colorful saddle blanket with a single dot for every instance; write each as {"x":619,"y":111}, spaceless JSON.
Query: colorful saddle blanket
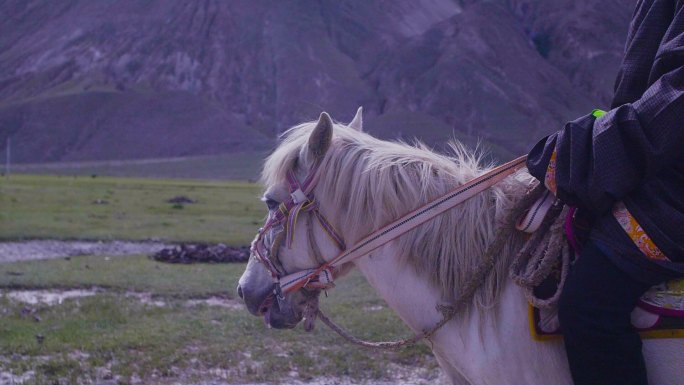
{"x":659,"y":314}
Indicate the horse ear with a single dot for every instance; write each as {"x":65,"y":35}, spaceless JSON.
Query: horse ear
{"x":357,"y":122}
{"x":321,"y":136}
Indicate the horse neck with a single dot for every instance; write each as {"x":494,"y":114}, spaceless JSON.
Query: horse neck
{"x":464,"y":231}
{"x":407,"y":293}
{"x":482,"y":346}
{"x":490,"y":347}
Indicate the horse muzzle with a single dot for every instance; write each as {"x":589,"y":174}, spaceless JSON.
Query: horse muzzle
{"x":280,"y":315}
{"x":256,"y":301}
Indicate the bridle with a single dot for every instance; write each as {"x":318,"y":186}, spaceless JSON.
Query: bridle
{"x":282,"y":222}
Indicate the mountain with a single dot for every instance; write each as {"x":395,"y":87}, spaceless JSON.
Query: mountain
{"x":98,"y":79}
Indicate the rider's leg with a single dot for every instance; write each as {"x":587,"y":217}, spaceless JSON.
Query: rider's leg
{"x":594,"y":310}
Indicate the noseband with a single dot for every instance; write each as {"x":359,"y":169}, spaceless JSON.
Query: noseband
{"x":284,"y":219}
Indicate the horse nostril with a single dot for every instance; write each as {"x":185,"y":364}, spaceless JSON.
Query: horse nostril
{"x":239,"y":290}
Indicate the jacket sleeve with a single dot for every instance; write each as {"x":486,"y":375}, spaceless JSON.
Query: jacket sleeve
{"x":595,"y":161}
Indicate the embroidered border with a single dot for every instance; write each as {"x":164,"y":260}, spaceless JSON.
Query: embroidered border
{"x":550,"y":176}
{"x":637,"y":233}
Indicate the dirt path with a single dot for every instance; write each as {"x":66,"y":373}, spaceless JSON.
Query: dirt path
{"x":47,"y":249}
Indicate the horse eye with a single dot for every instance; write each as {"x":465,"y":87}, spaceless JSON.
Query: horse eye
{"x":271,"y":204}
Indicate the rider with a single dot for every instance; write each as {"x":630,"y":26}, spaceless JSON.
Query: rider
{"x":625,"y":169}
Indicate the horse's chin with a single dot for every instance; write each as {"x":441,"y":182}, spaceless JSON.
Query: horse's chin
{"x":278,"y":319}
{"x":287,"y":312}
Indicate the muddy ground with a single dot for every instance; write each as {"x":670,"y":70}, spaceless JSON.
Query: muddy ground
{"x":48,"y":249}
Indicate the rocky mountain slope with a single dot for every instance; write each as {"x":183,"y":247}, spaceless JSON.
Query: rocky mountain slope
{"x":94,"y":80}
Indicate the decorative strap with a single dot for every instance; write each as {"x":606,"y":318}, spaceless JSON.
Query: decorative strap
{"x":550,"y":176}
{"x":258,"y":248}
{"x":301,"y":200}
{"x":536,"y":214}
{"x":291,"y":221}
{"x":330,"y":230}
{"x":322,"y":280}
{"x":636,"y":233}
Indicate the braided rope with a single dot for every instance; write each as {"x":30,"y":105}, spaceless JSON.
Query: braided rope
{"x":538,"y":258}
{"x":502,"y":235}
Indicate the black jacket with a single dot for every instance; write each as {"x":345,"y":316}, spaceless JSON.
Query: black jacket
{"x":635,"y":153}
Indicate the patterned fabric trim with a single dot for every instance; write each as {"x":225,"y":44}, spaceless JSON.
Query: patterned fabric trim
{"x":637,"y":233}
{"x":550,"y":177}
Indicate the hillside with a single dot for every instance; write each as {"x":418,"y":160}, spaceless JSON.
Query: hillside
{"x":97,"y":80}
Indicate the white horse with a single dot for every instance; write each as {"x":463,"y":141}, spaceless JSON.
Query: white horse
{"x":365,"y":183}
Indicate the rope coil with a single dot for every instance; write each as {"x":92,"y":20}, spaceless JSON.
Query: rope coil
{"x":538,"y":258}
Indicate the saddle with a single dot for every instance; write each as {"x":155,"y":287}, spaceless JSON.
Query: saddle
{"x":659,"y":312}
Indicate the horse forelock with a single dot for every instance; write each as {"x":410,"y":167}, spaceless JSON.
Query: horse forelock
{"x":366,"y":183}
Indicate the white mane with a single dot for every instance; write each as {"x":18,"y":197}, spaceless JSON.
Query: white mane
{"x":370,"y":182}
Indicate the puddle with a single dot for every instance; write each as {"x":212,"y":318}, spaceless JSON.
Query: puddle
{"x":217,"y":301}
{"x":50,"y":249}
{"x":48,"y":297}
{"x":146,"y":298}
{"x":149,"y":299}
{"x":57,"y":297}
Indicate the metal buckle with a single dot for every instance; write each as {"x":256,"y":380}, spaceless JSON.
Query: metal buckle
{"x":278,"y":292}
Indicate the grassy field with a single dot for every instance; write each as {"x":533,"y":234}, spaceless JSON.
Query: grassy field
{"x":237,"y":166}
{"x":145,"y":322}
{"x":114,"y":334}
{"x":105,"y":208}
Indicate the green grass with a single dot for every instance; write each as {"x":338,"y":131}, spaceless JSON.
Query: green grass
{"x":135,"y":339}
{"x":113,"y":335}
{"x":136,"y":273}
{"x":135,"y":209}
{"x":235,"y":166}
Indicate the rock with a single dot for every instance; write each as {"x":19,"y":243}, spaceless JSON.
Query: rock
{"x":181,"y":199}
{"x":202,"y":253}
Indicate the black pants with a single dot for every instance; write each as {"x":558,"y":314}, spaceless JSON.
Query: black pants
{"x":594,"y":310}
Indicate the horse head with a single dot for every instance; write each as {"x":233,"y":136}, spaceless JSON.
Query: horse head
{"x":299,"y":234}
